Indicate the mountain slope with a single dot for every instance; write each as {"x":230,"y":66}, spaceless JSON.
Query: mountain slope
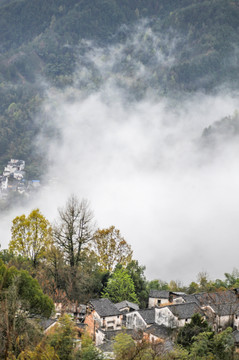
{"x":198,"y":42}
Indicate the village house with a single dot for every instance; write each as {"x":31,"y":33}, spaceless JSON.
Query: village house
{"x":48,"y":325}
{"x":157,"y":333}
{"x":13,"y":180}
{"x":220,"y":316}
{"x":105,"y":340}
{"x":140,"y":319}
{"x":102,"y":313}
{"x":164,"y":297}
{"x":176,"y":315}
{"x":18,"y":175}
{"x":4,"y":183}
{"x":160,"y":335}
{"x":103,"y":336}
{"x":77,"y":311}
{"x":126,"y":306}
{"x":158,"y":298}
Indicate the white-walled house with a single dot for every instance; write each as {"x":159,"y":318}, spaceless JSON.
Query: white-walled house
{"x":176,"y":315}
{"x":220,"y":316}
{"x":158,"y":298}
{"x":157,"y":332}
{"x":163,"y":297}
{"x":18,"y":175}
{"x":140,"y":319}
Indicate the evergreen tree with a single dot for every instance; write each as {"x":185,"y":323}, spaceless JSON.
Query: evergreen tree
{"x":120,"y":287}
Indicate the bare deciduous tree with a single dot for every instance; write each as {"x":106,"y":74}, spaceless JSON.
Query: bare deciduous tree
{"x":74,"y":229}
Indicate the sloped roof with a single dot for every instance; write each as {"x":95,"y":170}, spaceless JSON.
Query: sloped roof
{"x":148,"y":315}
{"x":160,"y":331}
{"x":236,"y":336}
{"x":216,"y":297}
{"x":178,"y":293}
{"x":168,"y":345}
{"x":107,"y":347}
{"x":190,"y":298}
{"x":163,"y":294}
{"x":226,"y":309}
{"x":46,"y":323}
{"x":126,"y":303}
{"x":185,"y":310}
{"x":104,"y":307}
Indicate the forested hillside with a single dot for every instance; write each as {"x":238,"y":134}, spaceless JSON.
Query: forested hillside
{"x":41,"y":40}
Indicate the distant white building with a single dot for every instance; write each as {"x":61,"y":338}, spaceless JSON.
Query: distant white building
{"x":164,"y":297}
{"x":4,"y":183}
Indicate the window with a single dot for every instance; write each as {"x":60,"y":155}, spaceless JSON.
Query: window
{"x":159,"y":301}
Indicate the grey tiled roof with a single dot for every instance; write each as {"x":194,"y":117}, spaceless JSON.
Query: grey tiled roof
{"x":104,"y":307}
{"x":46,"y":323}
{"x":160,"y":331}
{"x":190,"y":298}
{"x":226,"y":309}
{"x":107,"y":347}
{"x":178,"y":293}
{"x":126,"y":303}
{"x":148,"y":315}
{"x":168,"y":345}
{"x":185,"y":310}
{"x":163,"y":294}
{"x":236,"y":336}
{"x":216,"y":297}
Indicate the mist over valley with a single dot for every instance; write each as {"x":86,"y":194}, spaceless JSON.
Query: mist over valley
{"x":138,"y":114}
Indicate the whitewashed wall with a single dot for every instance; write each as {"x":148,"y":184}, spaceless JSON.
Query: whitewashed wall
{"x":153,"y":302}
{"x":135,"y":321}
{"x":165,"y":317}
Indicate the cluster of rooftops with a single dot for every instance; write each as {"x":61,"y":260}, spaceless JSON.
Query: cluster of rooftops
{"x":13,"y":179}
{"x":167,"y":311}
